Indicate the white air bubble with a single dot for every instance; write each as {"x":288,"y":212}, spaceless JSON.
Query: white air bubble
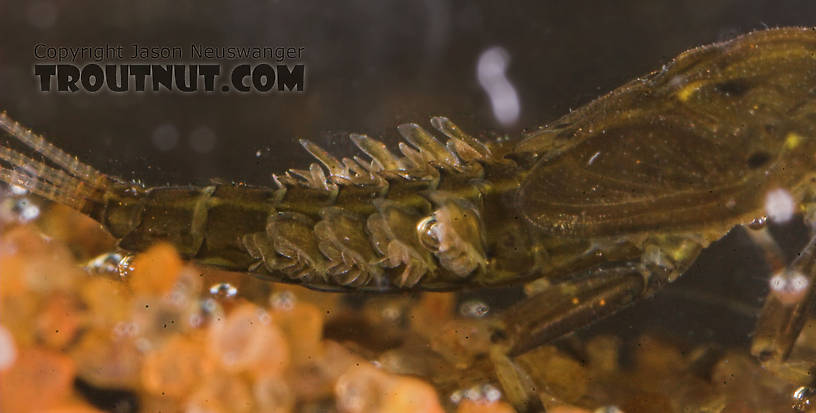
{"x":490,"y":70}
{"x":779,"y":205}
{"x":777,"y":282}
{"x":223,"y":290}
{"x":799,"y":282}
{"x":790,"y":287}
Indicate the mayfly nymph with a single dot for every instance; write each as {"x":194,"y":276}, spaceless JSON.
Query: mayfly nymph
{"x":606,"y":204}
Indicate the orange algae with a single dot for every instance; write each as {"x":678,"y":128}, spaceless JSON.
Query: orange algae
{"x":248,"y":340}
{"x":108,"y":358}
{"x":72,"y":408}
{"x":221,"y":393}
{"x":302,"y":324}
{"x":156,"y":270}
{"x":408,"y":395}
{"x":59,"y":321}
{"x":272,"y":394}
{"x":432,"y":311}
{"x":107,"y":302}
{"x":39,"y":379}
{"x":315,"y":379}
{"x":365,"y":388}
{"x":175,"y":368}
{"x":163,"y":340}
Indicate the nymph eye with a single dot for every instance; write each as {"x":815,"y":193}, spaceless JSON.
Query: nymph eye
{"x":758,"y":159}
{"x":733,"y":88}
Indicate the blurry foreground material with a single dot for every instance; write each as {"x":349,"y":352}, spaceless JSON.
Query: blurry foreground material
{"x":169,"y":338}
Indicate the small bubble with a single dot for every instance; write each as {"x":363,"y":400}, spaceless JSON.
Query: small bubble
{"x":264,"y":317}
{"x":125,"y":329}
{"x":103,"y":263}
{"x":474,"y":393}
{"x":473,"y":309}
{"x":789,"y":286}
{"x":258,"y":154}
{"x":282,"y":300}
{"x":799,"y":282}
{"x":223,"y":290}
{"x":804,"y":398}
{"x":209,"y":309}
{"x":758,"y":223}
{"x":125,"y":265}
{"x":777,"y":282}
{"x":491,"y":393}
{"x":26,"y":210}
{"x":209,"y":306}
{"x":457,"y":396}
{"x":391,"y":312}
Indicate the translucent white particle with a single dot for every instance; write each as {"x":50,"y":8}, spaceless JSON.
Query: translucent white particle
{"x":490,"y":70}
{"x":779,"y":205}
{"x":473,"y":309}
{"x":282,"y":300}
{"x":29,"y":212}
{"x":165,"y":137}
{"x":202,"y":140}
{"x":491,"y":393}
{"x":18,"y":190}
{"x":26,"y":210}
{"x":789,"y":286}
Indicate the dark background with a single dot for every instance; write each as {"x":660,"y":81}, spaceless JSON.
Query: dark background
{"x":370,"y":66}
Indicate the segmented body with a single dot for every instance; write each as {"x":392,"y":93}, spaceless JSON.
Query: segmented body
{"x":653,"y":171}
{"x":382,"y":223}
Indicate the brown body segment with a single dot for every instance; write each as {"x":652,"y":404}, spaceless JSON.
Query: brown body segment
{"x":694,"y":145}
